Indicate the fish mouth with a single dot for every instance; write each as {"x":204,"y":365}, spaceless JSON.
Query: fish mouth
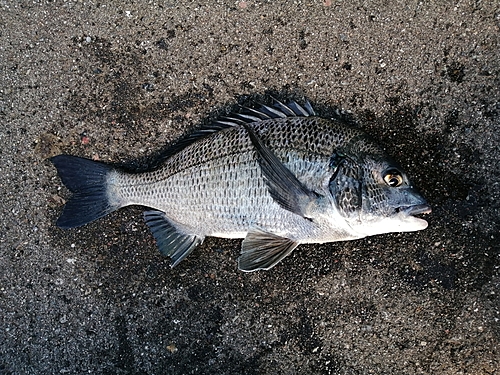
{"x":409,"y":219}
{"x":415,"y":210}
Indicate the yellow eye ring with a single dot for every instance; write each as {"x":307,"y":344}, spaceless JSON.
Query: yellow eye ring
{"x":393,"y":178}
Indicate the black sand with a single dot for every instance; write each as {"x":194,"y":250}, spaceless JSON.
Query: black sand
{"x":119,"y":81}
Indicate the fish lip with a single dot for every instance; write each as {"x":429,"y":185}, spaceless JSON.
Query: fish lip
{"x":416,"y":209}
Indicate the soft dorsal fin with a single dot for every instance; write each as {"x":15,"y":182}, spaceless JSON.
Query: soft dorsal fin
{"x":262,"y":250}
{"x":170,"y":241}
{"x":191,"y":138}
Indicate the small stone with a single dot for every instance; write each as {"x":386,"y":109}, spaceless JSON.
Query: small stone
{"x":172,"y":348}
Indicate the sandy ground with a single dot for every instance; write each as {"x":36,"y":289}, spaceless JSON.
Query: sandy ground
{"x":120,"y":80}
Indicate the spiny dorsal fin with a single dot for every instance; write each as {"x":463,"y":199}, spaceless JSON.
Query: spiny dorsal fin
{"x":264,"y":112}
{"x":262,"y":250}
{"x":305,"y":111}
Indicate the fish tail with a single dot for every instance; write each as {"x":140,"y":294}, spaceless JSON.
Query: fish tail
{"x":87,"y":180}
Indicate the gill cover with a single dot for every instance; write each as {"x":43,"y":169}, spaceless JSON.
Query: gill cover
{"x":346,"y":184}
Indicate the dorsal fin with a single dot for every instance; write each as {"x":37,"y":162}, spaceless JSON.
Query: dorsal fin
{"x":306,"y":111}
{"x":191,"y":138}
{"x":277,"y":110}
{"x":246,"y":116}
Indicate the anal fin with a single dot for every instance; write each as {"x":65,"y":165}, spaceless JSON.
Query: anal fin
{"x":262,"y":250}
{"x":170,"y":241}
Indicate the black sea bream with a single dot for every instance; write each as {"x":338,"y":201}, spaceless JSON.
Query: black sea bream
{"x":276,"y":176}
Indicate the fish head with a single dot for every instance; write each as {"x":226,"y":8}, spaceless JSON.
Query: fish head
{"x":375,"y":196}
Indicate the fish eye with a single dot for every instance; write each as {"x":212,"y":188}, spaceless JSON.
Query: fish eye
{"x":393,"y":178}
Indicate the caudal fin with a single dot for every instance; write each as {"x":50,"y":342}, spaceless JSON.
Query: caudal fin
{"x":86,"y":179}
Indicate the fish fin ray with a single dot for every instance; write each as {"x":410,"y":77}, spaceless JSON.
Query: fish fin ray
{"x":294,"y":109}
{"x":282,"y":184}
{"x":86,"y":179}
{"x":229,"y":121}
{"x":272,"y":112}
{"x":301,"y":111}
{"x":247,"y":116}
{"x":277,"y":110}
{"x":262,"y":250}
{"x":170,"y":241}
{"x":309,"y":108}
{"x":255,"y":113}
{"x":284,"y":108}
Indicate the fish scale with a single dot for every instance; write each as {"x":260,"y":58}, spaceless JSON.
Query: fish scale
{"x":289,"y":178}
{"x":231,"y":154}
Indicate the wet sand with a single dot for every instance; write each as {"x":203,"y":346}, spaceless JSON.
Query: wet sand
{"x":119,"y":81}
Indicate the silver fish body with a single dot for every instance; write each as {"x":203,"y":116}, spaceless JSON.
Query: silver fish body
{"x":277,"y":177}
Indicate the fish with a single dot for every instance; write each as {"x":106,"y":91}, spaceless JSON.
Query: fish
{"x":276,"y":175}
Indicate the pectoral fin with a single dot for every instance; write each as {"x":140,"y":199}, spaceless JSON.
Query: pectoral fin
{"x":171,"y":242}
{"x":262,"y":251}
{"x":283,"y":186}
